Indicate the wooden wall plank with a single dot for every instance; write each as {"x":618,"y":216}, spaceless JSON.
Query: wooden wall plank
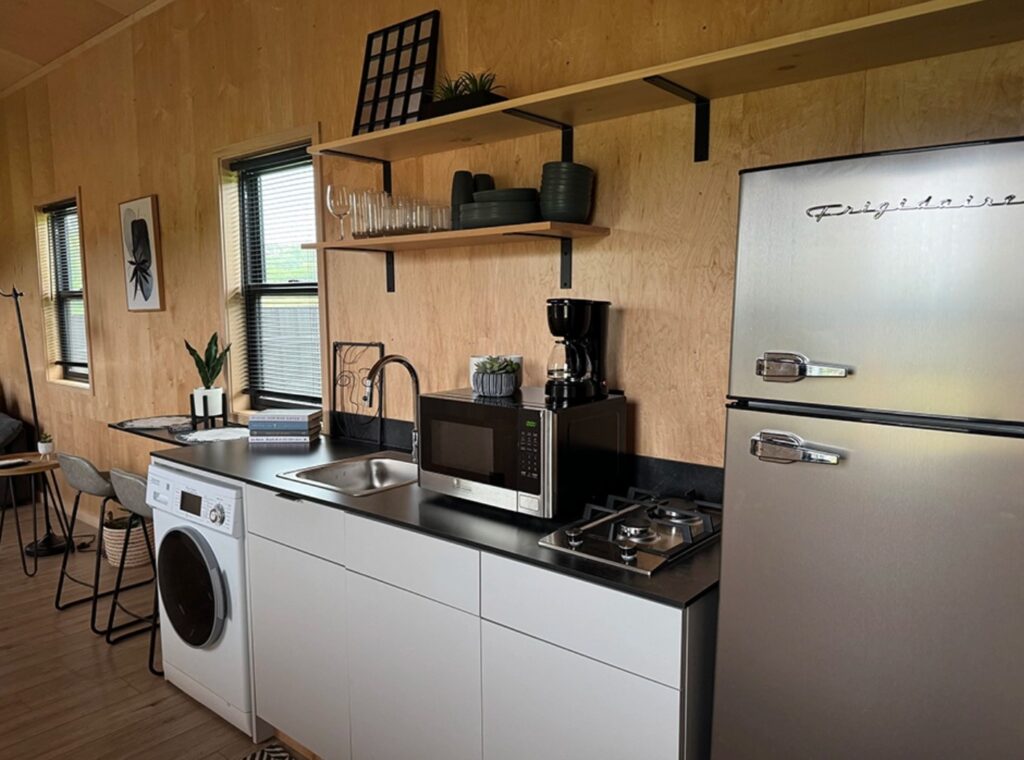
{"x":147,"y":109}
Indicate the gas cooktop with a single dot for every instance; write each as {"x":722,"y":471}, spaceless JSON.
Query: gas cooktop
{"x":640,"y":532}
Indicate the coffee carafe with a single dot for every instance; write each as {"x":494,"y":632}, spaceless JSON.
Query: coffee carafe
{"x":576,"y":364}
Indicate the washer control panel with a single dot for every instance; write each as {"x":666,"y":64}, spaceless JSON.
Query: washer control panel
{"x":209,"y":503}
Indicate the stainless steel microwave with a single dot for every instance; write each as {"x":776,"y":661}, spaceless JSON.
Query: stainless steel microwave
{"x":519,"y":453}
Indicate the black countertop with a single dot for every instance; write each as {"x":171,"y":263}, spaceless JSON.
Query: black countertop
{"x":487,"y":529}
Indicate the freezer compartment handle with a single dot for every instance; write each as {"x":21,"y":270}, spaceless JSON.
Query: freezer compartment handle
{"x":789,"y":367}
{"x":786,"y":448}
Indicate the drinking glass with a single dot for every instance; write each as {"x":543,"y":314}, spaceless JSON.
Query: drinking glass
{"x":339,"y":204}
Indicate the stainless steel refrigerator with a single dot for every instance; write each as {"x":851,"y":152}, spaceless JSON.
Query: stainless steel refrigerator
{"x":872,"y":593}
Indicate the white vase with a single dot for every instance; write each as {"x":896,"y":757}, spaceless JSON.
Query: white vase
{"x":214,"y":401}
{"x":45,"y":448}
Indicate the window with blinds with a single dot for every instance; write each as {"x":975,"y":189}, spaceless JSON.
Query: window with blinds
{"x":66,"y":288}
{"x":279,"y":279}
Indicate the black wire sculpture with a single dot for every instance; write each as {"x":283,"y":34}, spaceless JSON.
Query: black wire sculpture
{"x":351,"y":363}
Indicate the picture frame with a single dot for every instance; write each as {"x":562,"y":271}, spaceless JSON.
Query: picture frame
{"x":140,"y":251}
{"x":399,"y":67}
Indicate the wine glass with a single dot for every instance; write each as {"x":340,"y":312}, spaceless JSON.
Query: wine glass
{"x":339,"y":204}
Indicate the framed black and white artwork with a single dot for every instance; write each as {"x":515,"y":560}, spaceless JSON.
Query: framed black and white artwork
{"x":140,"y":239}
{"x":398,"y":73}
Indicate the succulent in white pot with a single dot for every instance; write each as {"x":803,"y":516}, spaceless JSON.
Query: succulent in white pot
{"x":209,"y":365}
{"x":496,"y":376}
{"x":45,"y":444}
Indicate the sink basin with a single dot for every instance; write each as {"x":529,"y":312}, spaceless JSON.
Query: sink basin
{"x":359,"y":476}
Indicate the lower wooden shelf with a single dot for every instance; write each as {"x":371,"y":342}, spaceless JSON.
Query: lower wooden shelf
{"x":514,"y":233}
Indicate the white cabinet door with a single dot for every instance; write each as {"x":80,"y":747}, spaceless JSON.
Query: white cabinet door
{"x":298,"y":639}
{"x":414,"y":675}
{"x":542,"y":701}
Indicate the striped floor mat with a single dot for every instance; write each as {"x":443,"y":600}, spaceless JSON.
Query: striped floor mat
{"x":271,"y":752}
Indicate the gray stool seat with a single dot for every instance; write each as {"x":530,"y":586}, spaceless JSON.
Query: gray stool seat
{"x":82,"y":475}
{"x":131,"y":492}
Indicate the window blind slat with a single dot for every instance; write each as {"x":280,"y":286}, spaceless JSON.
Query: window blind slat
{"x":67,"y":286}
{"x":277,"y":214}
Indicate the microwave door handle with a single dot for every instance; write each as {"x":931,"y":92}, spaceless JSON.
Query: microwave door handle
{"x":786,"y":448}
{"x":789,"y":367}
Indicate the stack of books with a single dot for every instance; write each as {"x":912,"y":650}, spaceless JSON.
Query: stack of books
{"x":285,"y":426}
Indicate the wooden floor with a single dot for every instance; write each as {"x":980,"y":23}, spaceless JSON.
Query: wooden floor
{"x":64,"y":693}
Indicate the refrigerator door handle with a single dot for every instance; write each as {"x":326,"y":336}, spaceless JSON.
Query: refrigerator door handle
{"x":789,"y":367}
{"x":786,"y":448}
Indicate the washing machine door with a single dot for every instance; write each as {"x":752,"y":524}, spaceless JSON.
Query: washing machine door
{"x":191,"y":587}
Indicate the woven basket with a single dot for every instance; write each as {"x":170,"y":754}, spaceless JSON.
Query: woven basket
{"x":137,"y":555}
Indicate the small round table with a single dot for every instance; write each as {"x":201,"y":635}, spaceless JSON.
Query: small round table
{"x":41,"y":471}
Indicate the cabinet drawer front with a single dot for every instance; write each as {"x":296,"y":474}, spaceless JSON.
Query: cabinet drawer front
{"x":298,"y":646}
{"x":428,"y":566}
{"x":415,"y":675}
{"x":634,"y":634}
{"x":304,"y":525}
{"x":541,"y":701}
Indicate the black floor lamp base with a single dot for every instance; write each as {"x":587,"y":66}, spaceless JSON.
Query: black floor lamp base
{"x":46,"y":546}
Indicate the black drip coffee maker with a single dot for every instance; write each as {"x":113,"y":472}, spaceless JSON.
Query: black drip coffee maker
{"x":577,"y":362}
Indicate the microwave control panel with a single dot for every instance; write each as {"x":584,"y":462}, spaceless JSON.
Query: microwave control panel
{"x":530,"y":456}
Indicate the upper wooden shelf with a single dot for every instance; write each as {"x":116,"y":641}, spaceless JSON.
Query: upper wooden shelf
{"x":923,"y":30}
{"x":458,"y":238}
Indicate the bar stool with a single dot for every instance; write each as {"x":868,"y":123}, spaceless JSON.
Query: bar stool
{"x":84,"y":478}
{"x":130,"y":490}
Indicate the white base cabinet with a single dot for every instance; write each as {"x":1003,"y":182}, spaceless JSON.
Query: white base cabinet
{"x":298,"y":614}
{"x":542,"y":701}
{"x":414,"y":674}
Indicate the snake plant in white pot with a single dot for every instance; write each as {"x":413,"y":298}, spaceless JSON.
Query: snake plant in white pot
{"x":209,"y":365}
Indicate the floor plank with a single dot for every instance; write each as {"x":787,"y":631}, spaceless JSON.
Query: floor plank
{"x":64,"y":693}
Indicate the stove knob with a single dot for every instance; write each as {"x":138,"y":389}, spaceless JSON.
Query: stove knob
{"x":627,"y":551}
{"x":575,"y":536}
{"x":217,"y":515}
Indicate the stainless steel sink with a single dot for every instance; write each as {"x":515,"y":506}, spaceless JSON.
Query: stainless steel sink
{"x":360,"y":476}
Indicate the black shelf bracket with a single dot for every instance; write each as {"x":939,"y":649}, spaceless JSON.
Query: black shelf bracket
{"x":567,"y":155}
{"x":701,"y":117}
{"x":385,"y":166}
{"x":565,"y":259}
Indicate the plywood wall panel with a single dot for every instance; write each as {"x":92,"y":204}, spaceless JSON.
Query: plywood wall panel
{"x":148,"y":109}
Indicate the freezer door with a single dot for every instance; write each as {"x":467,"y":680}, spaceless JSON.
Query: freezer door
{"x":872,"y":607}
{"x":916,"y":310}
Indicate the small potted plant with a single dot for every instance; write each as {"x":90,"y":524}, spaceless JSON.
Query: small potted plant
{"x":209,"y":365}
{"x":45,"y":443}
{"x":496,"y":376}
{"x":466,"y":91}
{"x":114,"y":531}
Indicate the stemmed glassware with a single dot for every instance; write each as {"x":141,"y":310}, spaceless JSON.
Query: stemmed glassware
{"x":339,"y":204}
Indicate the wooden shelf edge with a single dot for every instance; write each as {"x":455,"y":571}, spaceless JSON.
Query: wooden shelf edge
{"x":515,"y":233}
{"x":720,"y":73}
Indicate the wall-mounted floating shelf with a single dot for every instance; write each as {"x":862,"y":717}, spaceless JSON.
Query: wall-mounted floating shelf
{"x":515,"y":233}
{"x":922,"y":30}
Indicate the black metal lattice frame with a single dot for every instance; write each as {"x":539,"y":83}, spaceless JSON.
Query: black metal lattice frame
{"x":399,"y":67}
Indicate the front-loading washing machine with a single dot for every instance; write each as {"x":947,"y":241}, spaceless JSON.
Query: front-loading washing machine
{"x":197,"y":522}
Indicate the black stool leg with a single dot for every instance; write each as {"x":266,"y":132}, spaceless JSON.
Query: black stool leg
{"x":139,"y":624}
{"x":156,"y":623}
{"x":68,"y":548}
{"x":120,"y":576}
{"x":96,"y":570}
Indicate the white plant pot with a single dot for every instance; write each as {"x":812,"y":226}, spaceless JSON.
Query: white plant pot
{"x":214,"y":401}
{"x":45,"y":448}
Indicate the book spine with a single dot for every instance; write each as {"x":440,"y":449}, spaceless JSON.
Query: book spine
{"x":304,"y":418}
{"x":296,"y":426}
{"x":281,"y":439}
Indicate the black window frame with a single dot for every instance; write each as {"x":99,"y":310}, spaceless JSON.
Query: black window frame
{"x":249,"y":171}
{"x":63,"y":292}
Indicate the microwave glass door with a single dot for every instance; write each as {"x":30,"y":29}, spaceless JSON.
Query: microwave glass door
{"x":476,"y":442}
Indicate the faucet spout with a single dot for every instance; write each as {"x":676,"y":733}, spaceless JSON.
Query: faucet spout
{"x":371,"y":381}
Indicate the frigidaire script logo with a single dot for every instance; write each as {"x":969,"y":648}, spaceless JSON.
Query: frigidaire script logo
{"x":877,"y":211}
